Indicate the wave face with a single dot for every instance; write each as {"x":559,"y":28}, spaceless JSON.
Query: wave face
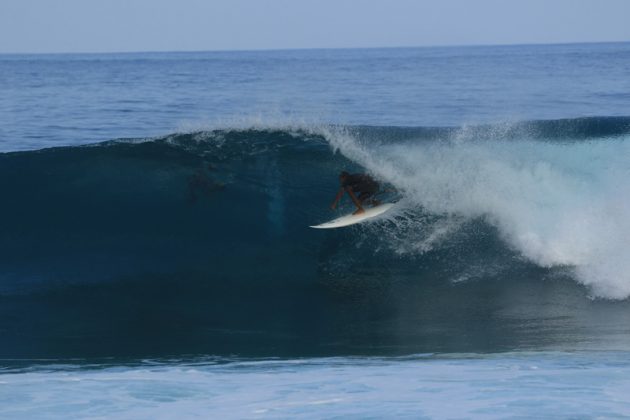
{"x":199,"y":242}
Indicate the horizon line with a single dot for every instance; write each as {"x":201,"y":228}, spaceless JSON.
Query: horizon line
{"x":184,"y":51}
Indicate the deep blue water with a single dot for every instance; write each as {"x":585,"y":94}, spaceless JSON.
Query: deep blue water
{"x":156,"y":209}
{"x":75,"y":99}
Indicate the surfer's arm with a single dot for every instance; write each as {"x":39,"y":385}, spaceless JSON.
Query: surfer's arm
{"x":337,"y":198}
{"x":356,"y":201}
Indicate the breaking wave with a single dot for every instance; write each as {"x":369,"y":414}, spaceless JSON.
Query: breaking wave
{"x":204,"y":236}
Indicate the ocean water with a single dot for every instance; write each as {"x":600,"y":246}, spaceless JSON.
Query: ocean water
{"x":156,"y":259}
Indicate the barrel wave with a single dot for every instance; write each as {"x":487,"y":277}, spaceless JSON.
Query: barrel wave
{"x":198,"y":243}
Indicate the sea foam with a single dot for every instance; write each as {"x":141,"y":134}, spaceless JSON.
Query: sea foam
{"x":556,"y":202}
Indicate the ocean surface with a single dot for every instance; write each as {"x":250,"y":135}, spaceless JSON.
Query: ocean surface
{"x":156,"y":259}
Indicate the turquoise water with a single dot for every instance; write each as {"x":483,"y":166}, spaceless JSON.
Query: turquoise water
{"x":521,"y":385}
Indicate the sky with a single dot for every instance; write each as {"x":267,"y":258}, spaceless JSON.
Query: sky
{"x":50,"y":26}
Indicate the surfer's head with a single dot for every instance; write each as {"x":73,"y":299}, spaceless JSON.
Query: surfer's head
{"x":343,"y":175}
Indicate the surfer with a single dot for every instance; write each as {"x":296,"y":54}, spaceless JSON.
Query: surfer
{"x":360,"y":188}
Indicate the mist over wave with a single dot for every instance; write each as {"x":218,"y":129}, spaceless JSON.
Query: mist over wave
{"x":559,"y":200}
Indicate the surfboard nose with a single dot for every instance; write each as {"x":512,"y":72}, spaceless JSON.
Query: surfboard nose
{"x":351,"y":219}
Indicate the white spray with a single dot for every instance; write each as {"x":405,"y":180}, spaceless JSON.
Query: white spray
{"x":556,"y":203}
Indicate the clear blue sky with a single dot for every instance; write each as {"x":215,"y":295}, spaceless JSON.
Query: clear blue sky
{"x":180,"y":25}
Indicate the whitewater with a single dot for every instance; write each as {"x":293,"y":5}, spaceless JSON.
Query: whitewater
{"x":494,"y":387}
{"x":558,"y":202}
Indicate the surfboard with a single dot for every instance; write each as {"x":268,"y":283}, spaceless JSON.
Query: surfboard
{"x":351,"y":219}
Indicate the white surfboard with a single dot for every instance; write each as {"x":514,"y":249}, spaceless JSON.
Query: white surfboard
{"x":351,"y":219}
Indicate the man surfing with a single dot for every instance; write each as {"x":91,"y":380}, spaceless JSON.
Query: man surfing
{"x":360,"y":188}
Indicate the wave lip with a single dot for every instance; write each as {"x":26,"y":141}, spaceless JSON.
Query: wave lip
{"x":554,"y":190}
